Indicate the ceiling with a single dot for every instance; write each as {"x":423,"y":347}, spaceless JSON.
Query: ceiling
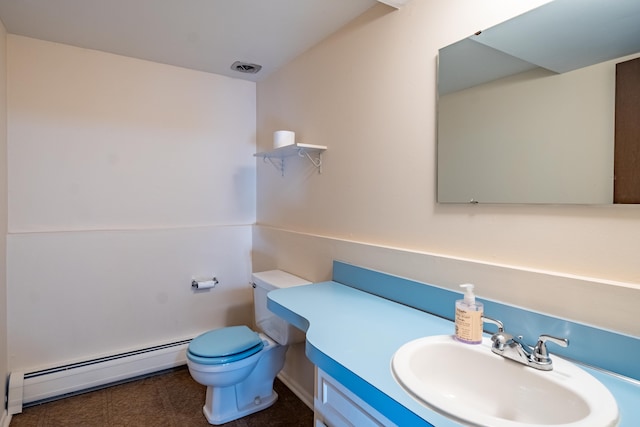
{"x":205,"y":35}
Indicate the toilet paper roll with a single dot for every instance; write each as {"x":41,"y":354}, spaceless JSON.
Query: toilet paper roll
{"x":282,"y":138}
{"x":204,"y":284}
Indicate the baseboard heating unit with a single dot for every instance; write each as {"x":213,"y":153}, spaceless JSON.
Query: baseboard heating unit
{"x":31,"y":388}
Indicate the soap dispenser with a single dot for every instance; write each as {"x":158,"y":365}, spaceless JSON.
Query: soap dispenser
{"x":469,"y":317}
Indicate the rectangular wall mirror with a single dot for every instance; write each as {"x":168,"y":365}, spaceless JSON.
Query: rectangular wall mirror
{"x":526,"y":109}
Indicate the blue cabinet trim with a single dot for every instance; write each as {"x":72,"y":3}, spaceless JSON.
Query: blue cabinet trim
{"x":391,"y":409}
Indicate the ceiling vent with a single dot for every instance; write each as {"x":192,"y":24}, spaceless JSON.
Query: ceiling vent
{"x":245,"y":67}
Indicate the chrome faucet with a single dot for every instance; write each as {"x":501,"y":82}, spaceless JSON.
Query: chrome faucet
{"x":514,"y":348}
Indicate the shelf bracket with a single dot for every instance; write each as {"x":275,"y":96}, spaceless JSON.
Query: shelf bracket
{"x":277,"y":163}
{"x":317,"y":162}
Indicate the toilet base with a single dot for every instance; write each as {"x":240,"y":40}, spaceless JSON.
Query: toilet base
{"x":226,"y":409}
{"x":230,"y":397}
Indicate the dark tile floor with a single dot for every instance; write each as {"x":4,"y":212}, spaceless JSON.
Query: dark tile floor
{"x":172,"y":399}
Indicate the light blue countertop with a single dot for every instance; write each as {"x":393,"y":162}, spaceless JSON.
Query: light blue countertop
{"x":353,"y":335}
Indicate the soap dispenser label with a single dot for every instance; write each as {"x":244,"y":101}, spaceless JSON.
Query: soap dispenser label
{"x":469,"y":325}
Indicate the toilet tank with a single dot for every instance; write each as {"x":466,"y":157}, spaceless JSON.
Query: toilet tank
{"x":272,"y":325}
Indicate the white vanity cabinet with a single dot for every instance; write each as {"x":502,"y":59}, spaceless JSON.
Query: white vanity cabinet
{"x":335,"y":406}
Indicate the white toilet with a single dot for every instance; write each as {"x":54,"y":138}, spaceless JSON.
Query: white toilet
{"x":238,"y":365}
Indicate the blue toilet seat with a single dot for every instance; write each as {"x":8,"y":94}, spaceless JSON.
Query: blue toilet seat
{"x":224,"y":345}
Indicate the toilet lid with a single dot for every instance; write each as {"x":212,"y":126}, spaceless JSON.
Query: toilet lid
{"x":225,"y":342}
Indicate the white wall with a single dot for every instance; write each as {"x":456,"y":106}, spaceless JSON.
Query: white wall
{"x":126,"y":177}
{"x":356,"y":94}
{"x":3,"y":212}
{"x":369,"y":94}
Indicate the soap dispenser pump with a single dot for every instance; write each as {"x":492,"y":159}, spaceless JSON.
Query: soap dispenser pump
{"x":469,"y":317}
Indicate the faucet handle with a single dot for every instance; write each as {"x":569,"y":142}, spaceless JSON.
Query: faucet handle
{"x":540,"y":350}
{"x":500,"y":340}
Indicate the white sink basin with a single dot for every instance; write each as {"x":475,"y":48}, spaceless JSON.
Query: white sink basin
{"x":470,"y":384}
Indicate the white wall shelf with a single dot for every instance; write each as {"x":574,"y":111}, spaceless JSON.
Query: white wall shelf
{"x":277,"y":156}
{"x":395,"y":3}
